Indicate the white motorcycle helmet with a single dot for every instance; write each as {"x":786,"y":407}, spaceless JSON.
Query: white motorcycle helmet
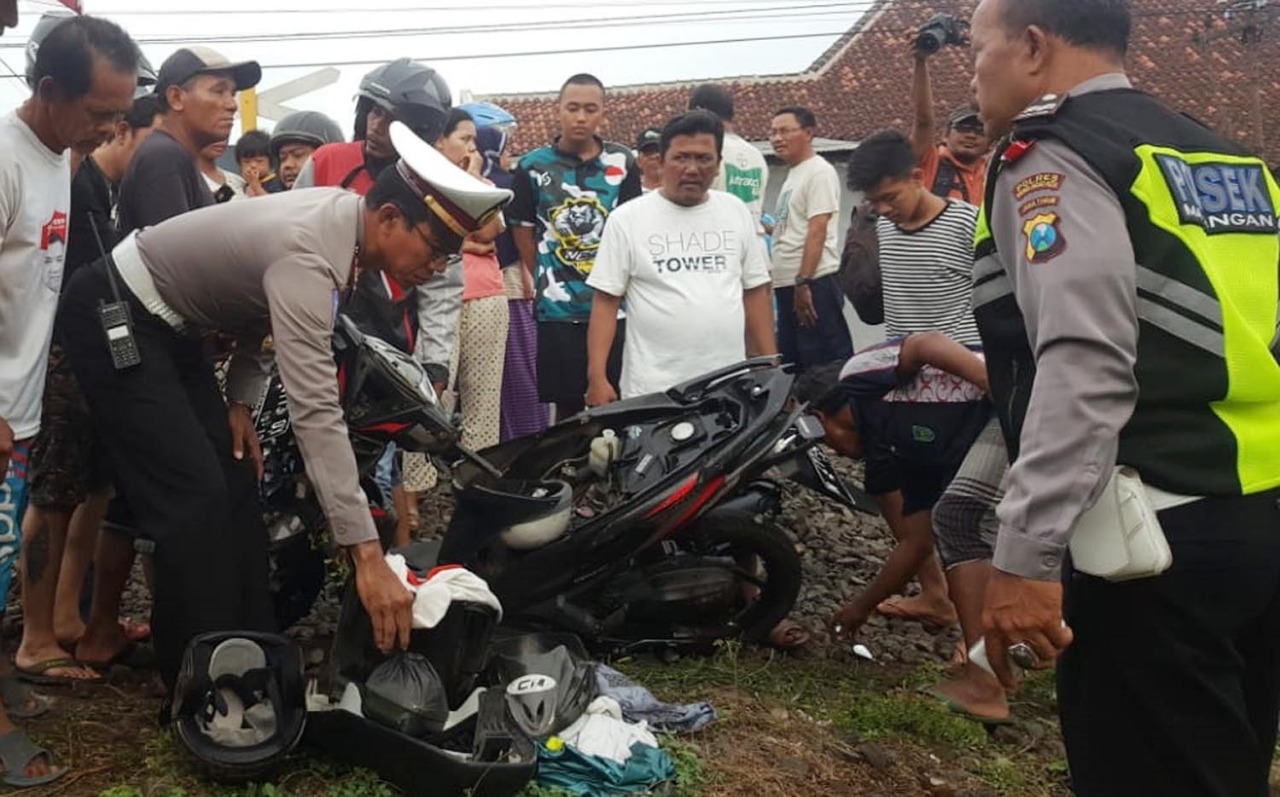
{"x":547,"y":525}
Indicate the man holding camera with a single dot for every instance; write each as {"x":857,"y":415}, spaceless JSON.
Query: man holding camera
{"x":956,"y":168}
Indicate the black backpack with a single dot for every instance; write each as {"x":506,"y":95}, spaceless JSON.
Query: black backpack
{"x":860,"y":266}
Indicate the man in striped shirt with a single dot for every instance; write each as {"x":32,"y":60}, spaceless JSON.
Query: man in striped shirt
{"x":926,"y":242}
{"x":925,"y":264}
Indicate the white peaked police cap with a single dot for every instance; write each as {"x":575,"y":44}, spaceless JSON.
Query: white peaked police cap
{"x":462,"y":202}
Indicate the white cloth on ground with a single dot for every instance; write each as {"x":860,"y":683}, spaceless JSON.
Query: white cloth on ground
{"x":603,"y":733}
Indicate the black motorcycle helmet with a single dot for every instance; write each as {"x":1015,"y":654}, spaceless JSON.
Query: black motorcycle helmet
{"x":147,"y":77}
{"x":387,"y":397}
{"x":239,"y":704}
{"x":411,"y":92}
{"x":47,"y":22}
{"x":307,"y":127}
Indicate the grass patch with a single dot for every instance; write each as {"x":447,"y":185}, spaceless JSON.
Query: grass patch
{"x":691,"y":775}
{"x":869,"y":701}
{"x":1002,"y":774}
{"x":866,"y":702}
{"x":165,"y":771}
{"x":910,"y":717}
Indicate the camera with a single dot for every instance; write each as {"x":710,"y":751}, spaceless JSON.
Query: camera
{"x":941,"y":30}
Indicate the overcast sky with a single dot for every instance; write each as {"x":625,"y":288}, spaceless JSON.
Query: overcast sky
{"x":444,"y":33}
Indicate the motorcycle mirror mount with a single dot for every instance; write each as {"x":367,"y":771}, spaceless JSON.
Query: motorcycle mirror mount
{"x":477,"y":459}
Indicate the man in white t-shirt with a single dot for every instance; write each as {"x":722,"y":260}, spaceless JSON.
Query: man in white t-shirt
{"x":743,"y":171}
{"x":84,"y":78}
{"x":692,"y":270}
{"x":811,"y":326}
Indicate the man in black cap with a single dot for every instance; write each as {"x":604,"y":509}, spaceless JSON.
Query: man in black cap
{"x":956,"y":168}
{"x":184,"y":457}
{"x":649,"y":159}
{"x":197,"y":88}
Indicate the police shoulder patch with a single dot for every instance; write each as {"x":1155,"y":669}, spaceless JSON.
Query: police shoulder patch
{"x":1044,"y":238}
{"x":1043,"y":108}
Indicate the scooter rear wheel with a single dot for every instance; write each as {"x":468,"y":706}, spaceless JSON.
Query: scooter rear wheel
{"x":747,"y":539}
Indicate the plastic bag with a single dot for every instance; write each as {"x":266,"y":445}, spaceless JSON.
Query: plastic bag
{"x":405,"y":693}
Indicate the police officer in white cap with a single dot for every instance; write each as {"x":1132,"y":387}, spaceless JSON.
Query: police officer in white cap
{"x":186,"y":459}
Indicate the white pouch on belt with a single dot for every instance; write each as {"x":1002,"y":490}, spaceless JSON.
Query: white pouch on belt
{"x":1120,"y":538}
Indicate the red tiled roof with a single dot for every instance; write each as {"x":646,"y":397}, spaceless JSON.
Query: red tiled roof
{"x":862,"y":83}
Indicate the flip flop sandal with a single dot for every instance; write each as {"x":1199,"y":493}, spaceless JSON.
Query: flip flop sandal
{"x":17,"y":694}
{"x":960,"y":711}
{"x":16,"y":752}
{"x":36,"y":673}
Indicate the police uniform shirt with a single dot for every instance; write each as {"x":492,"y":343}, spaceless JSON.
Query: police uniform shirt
{"x":259,"y":281}
{"x":1063,"y":242}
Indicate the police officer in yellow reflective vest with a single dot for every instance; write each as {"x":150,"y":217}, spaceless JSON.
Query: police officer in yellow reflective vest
{"x":1126,"y":292}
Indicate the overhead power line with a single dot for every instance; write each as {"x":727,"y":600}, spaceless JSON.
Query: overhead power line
{"x":572,"y":51}
{"x":809,"y":12}
{"x":1203,"y":7}
{"x":415,"y":9}
{"x":860,"y":6}
{"x":812,"y":13}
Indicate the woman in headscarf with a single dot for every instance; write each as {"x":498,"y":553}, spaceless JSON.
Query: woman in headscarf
{"x":522,"y":414}
{"x":482,"y":332}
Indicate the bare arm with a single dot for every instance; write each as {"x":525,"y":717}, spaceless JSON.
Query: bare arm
{"x":815,"y":240}
{"x":943,"y":353}
{"x":600,"y":335}
{"x":488,"y":232}
{"x":471,"y":247}
{"x":757,"y":303}
{"x":922,"y":98}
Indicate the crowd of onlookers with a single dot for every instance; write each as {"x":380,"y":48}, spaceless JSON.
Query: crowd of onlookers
{"x":618,"y":269}
{"x":608,"y":264}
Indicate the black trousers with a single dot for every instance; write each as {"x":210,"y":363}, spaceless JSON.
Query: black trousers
{"x":164,"y":426}
{"x":824,"y":342}
{"x":1172,"y":685}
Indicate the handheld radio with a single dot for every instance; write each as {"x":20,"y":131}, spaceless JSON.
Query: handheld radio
{"x":117,"y":325}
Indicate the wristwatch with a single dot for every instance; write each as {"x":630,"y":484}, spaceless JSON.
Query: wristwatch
{"x":805,"y":281}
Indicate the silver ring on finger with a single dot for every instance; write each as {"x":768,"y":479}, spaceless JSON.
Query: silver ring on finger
{"x":1022,"y":655}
